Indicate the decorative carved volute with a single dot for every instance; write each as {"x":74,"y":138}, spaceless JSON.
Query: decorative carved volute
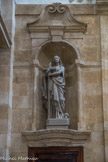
{"x":56,"y":19}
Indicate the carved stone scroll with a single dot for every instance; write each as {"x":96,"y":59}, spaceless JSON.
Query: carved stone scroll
{"x":57,"y":20}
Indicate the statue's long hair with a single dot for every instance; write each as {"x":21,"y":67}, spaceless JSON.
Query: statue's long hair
{"x":60,"y":62}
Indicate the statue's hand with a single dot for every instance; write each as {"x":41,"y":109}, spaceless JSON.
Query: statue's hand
{"x":36,"y":62}
{"x":48,"y":70}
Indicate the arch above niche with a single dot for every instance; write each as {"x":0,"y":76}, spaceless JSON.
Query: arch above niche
{"x":67,"y":52}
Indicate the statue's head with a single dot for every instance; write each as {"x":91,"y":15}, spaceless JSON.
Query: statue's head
{"x":57,"y":59}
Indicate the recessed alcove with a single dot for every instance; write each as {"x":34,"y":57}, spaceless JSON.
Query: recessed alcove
{"x":68,"y":54}
{"x":48,"y":39}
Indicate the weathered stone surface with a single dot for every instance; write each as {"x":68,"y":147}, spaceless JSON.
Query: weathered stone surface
{"x":56,"y":137}
{"x":85,"y":56}
{"x":104,"y":49}
{"x":57,"y":123}
{"x":21,"y":120}
{"x":36,"y":10}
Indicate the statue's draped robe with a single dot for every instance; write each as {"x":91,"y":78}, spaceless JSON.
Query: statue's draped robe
{"x":55,"y":85}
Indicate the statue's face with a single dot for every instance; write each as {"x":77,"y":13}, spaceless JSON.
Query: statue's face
{"x":56,"y":59}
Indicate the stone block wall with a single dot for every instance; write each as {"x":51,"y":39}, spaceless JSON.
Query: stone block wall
{"x":91,"y":117}
{"x":16,"y":81}
{"x":6,"y":76}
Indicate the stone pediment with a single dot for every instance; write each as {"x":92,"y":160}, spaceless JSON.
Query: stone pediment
{"x":57,"y":17}
{"x":56,"y":137}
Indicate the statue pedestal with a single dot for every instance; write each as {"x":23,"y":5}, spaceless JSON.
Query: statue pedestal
{"x":57,"y":123}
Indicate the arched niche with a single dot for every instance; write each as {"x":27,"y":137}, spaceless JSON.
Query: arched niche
{"x":68,"y":54}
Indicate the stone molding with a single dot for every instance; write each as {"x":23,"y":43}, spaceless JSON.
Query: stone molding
{"x":102,"y":1}
{"x":5,"y":41}
{"x":102,"y":8}
{"x":55,"y":137}
{"x":84,"y":64}
{"x":35,"y":10}
{"x":56,"y":19}
{"x":82,"y":9}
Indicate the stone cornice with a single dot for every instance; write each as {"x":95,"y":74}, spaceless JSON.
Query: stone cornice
{"x":102,"y":1}
{"x":56,"y":137}
{"x":79,"y":9}
{"x":83,"y":9}
{"x":5,"y":41}
{"x":25,"y":65}
{"x":102,"y":9}
{"x":84,"y":64}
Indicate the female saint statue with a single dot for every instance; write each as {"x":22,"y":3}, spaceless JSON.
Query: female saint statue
{"x":54,"y":85}
{"x":54,"y":89}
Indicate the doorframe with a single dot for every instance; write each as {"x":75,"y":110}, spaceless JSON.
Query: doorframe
{"x":33,"y":150}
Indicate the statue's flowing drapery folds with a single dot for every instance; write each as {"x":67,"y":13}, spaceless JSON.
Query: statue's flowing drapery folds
{"x":54,"y":89}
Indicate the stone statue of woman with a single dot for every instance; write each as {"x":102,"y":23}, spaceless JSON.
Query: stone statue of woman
{"x":54,"y":89}
{"x":54,"y":85}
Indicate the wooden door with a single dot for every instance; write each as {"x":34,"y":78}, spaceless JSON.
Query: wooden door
{"x":56,"y":154}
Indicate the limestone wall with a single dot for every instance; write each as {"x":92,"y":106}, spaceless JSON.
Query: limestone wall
{"x":6,"y":75}
{"x":104,"y":53}
{"x":91,"y":112}
{"x":86,"y":90}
